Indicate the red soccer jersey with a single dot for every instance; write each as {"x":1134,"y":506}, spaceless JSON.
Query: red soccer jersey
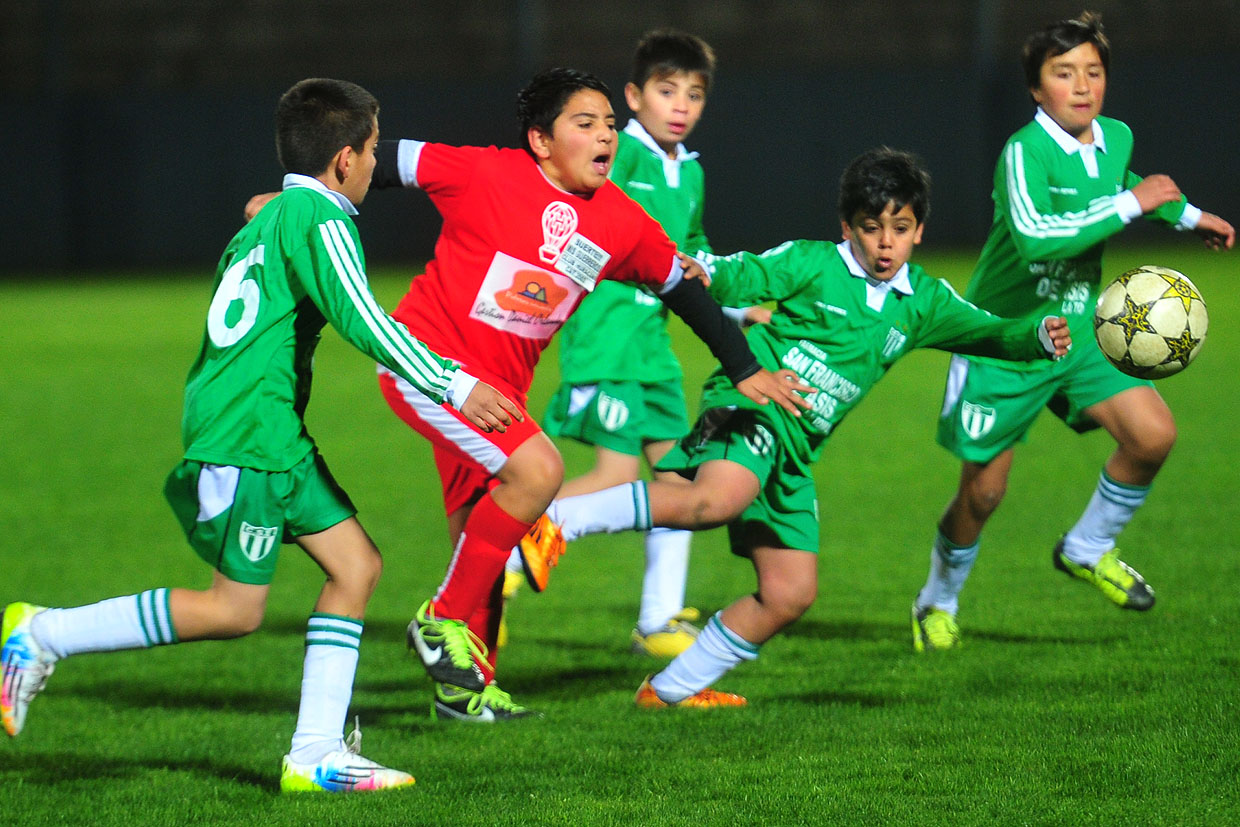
{"x":515,"y":257}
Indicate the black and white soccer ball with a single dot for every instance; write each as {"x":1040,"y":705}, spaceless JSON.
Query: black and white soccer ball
{"x":1151,"y":322}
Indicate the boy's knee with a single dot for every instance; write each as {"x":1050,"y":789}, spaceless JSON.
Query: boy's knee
{"x":1152,"y":444}
{"x":982,"y":497}
{"x":788,"y":601}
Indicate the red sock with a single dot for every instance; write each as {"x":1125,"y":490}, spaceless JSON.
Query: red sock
{"x":477,"y":566}
{"x":484,"y":623}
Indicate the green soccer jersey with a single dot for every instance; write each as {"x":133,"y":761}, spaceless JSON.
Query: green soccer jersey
{"x":841,"y":331}
{"x":297,"y":265}
{"x":1057,"y":201}
{"x":619,"y":333}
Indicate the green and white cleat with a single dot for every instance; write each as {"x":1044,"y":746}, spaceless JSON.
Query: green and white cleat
{"x":1120,"y":582}
{"x":27,"y":665}
{"x":342,"y":771}
{"x":449,"y":651}
{"x":490,"y":705}
{"x":934,"y":629}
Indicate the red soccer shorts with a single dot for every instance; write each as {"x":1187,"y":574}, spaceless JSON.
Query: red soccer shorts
{"x":467,"y":458}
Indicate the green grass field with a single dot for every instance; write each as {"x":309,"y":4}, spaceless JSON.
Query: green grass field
{"x":1059,"y":709}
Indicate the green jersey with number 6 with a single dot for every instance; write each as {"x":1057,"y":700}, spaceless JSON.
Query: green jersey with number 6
{"x":297,"y":265}
{"x":840,"y":331}
{"x":1057,"y":201}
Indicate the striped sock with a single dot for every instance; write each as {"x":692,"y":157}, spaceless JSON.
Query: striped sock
{"x":624,"y":507}
{"x":1109,"y":511}
{"x":332,"y":645}
{"x":135,"y":621}
{"x":716,"y":651}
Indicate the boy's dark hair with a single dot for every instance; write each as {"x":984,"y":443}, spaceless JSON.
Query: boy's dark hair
{"x":663,"y":52}
{"x":883,"y":176}
{"x":543,"y":98}
{"x":1060,"y":38}
{"x":318,"y":117}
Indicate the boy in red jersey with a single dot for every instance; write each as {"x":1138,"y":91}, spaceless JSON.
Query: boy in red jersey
{"x":526,"y":235}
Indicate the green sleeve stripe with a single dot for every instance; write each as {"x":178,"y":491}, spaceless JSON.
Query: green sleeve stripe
{"x":431,"y":368}
{"x":407,"y":352}
{"x":1025,"y":215}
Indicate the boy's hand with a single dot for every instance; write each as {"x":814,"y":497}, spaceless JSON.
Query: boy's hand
{"x":1219,"y":235}
{"x":257,"y":203}
{"x":1155,"y":191}
{"x":1054,"y":336}
{"x":780,"y":386}
{"x":693,"y":269}
{"x":756,"y":315}
{"x":489,"y":409}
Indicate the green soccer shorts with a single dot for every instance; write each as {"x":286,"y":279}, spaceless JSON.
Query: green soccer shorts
{"x":619,"y":416}
{"x":988,"y":408}
{"x":236,"y":518}
{"x":785,"y":512}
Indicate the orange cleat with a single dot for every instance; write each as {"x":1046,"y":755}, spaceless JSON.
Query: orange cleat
{"x":646,"y":698}
{"x":541,"y":548}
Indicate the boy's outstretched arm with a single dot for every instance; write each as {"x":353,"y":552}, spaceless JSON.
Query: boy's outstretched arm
{"x":1218,"y":234}
{"x":690,"y":301}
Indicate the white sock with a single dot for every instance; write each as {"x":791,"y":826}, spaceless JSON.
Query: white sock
{"x":949,"y":568}
{"x":619,"y":508}
{"x":135,"y":621}
{"x":514,"y":563}
{"x":715,"y":652}
{"x":326,"y":686}
{"x":1109,"y":511}
{"x":663,"y":585}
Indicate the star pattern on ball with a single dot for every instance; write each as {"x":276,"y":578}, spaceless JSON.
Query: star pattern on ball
{"x":1134,"y":318}
{"x":1179,"y":289}
{"x":1181,"y":347}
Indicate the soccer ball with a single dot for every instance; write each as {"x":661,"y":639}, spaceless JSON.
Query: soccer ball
{"x":1150,"y":322}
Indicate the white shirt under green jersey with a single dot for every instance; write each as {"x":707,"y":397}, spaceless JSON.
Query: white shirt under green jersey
{"x":297,"y":265}
{"x":1057,"y":201}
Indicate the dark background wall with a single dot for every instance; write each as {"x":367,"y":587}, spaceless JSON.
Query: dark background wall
{"x":134,"y":130}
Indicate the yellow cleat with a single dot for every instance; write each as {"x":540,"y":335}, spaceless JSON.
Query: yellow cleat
{"x":668,"y":642}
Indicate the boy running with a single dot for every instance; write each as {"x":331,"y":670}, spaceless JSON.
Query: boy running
{"x":251,"y":477}
{"x":1062,"y":188}
{"x":846,"y":313}
{"x":621,"y":388}
{"x":527,"y":233}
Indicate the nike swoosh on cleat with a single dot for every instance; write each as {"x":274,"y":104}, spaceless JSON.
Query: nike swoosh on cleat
{"x":429,"y":656}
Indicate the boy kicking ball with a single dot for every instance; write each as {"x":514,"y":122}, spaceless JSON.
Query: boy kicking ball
{"x":845,"y":314}
{"x":252,"y":477}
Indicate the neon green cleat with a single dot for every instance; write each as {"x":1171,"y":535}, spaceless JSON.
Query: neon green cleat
{"x":27,"y":665}
{"x":342,"y":771}
{"x":934,"y":629}
{"x":490,"y":705}
{"x":1121,"y":583}
{"x":449,"y":651}
{"x":668,"y":642}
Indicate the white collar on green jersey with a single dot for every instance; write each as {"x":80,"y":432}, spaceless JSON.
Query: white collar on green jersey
{"x":1068,"y":143}
{"x":294,"y":179}
{"x":876,"y":290}
{"x":634,"y":129}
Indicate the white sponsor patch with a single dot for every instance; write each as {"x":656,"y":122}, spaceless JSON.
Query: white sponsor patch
{"x":523,"y":298}
{"x":582,"y":260}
